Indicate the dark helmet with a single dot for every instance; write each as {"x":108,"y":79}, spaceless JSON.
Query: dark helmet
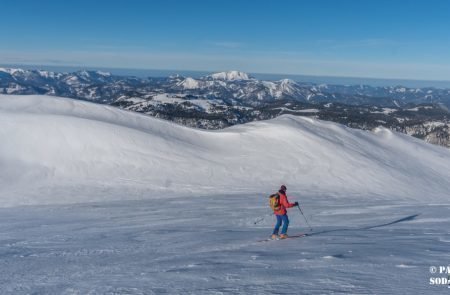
{"x":283,"y":188}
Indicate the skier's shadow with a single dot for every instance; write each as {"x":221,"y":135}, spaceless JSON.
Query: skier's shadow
{"x":407,"y":218}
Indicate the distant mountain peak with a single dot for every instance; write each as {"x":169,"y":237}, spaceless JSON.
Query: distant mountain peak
{"x":189,"y":83}
{"x":287,"y":82}
{"x":175,"y":76}
{"x":105,"y":74}
{"x":230,"y":76}
{"x":87,"y":73}
{"x":288,"y":86}
{"x":11,"y":71}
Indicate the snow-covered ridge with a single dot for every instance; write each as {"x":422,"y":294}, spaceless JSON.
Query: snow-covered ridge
{"x":57,"y":150}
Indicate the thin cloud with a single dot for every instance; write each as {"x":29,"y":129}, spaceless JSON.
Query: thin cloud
{"x":362,"y":43}
{"x":227,"y":44}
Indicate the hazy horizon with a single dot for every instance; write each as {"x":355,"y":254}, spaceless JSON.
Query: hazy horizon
{"x":381,"y":39}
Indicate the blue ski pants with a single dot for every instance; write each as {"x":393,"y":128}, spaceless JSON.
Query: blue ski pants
{"x":281,"y":219}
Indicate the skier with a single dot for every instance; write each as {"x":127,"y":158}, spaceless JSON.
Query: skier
{"x":281,"y":213}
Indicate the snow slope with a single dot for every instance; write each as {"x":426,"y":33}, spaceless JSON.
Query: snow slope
{"x":58,"y":150}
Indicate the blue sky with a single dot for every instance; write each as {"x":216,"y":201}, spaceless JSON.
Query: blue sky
{"x":385,"y":39}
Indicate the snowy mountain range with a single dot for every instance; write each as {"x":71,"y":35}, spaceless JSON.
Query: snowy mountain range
{"x":228,"y":98}
{"x":231,"y":87}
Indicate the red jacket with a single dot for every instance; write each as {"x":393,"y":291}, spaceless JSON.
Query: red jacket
{"x":284,"y":204}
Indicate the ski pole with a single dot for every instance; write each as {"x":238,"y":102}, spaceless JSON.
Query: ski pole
{"x":261,"y":218}
{"x":310,"y":228}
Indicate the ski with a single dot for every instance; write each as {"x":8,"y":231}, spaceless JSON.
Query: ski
{"x":287,"y":238}
{"x":296,"y":236}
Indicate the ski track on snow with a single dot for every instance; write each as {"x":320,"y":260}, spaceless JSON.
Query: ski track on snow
{"x":141,"y":247}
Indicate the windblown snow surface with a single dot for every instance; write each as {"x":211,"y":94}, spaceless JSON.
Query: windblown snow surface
{"x":121,"y":203}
